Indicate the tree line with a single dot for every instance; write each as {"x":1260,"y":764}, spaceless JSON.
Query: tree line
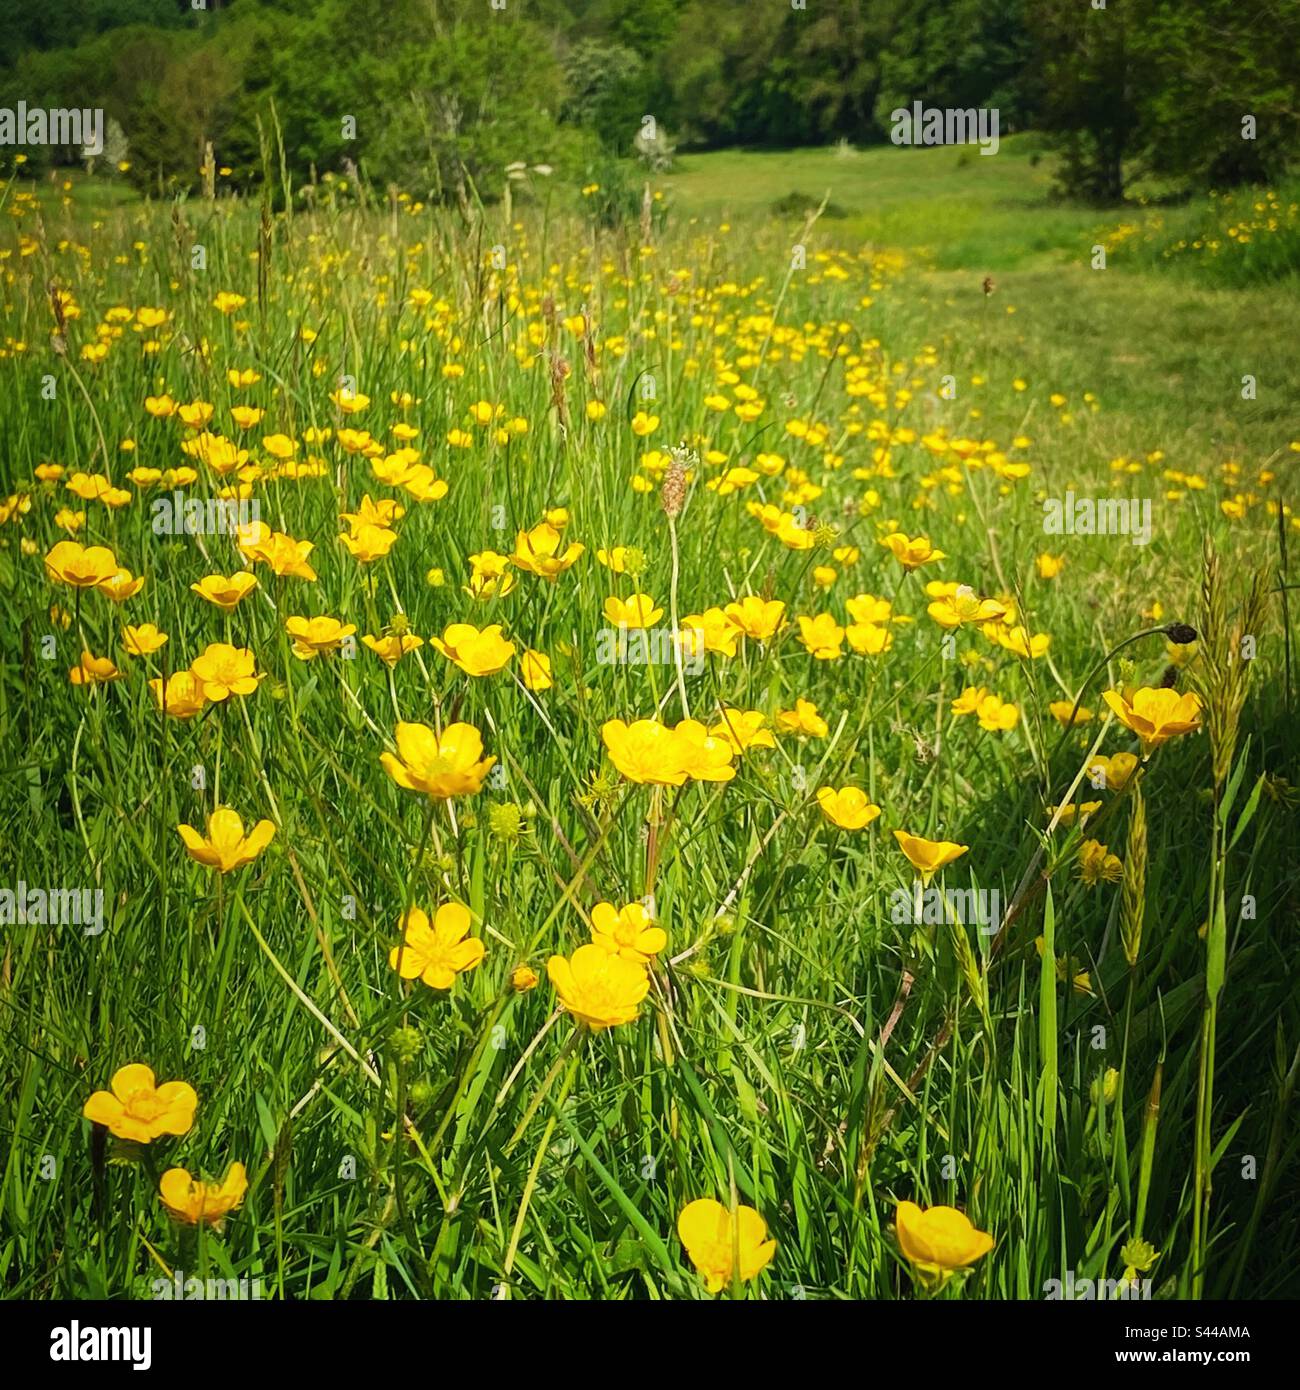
{"x":1202,"y":92}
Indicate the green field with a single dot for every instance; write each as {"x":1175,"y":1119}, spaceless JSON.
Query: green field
{"x":1165,"y":351}
{"x":1102,"y":1081}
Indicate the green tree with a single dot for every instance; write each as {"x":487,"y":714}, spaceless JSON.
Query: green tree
{"x":1091,"y":85}
{"x":1222,"y":89}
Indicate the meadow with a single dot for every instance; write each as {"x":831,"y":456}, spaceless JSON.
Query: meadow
{"x":600,"y":780}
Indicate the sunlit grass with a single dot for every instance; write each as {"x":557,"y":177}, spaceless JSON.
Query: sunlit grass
{"x":800,"y":1050}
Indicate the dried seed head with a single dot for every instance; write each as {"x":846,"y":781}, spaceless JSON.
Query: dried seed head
{"x":673,"y":494}
{"x":1180,"y":633}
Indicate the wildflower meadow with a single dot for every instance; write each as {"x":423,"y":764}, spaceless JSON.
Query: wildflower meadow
{"x":709,"y":728}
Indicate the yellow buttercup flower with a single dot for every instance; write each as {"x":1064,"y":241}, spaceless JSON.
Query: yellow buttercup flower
{"x":476,"y":653}
{"x":618,"y":558}
{"x":226,"y":593}
{"x":439,"y":952}
{"x":644,"y":751}
{"x":869,"y":639}
{"x":523,"y":978}
{"x":539,"y":552}
{"x":368,"y":543}
{"x":82,"y":567}
{"x":280,"y":446}
{"x":911,"y":553}
{"x":722,"y":1247}
{"x":1097,"y":864}
{"x":965,"y":606}
{"x":423,"y":484}
{"x":225,"y":671}
{"x":93,"y":670}
{"x":490,"y":575}
{"x":370,"y":513}
{"x":182,"y":697}
{"x":794,"y":533}
{"x":849,"y":807}
{"x":1113,"y":773}
{"x":1064,"y":713}
{"x":867,"y":608}
{"x":391,"y":647}
{"x":939,"y":1240}
{"x":439,"y":765}
{"x":969,"y":700}
{"x":702,"y":756}
{"x":223,"y":456}
{"x":627,"y":931}
{"x":143,"y":640}
{"x":822,"y":636}
{"x":1018,"y":639}
{"x":1049,"y":566}
{"x":639,"y":611}
{"x":89,"y":486}
{"x":191,"y":1201}
{"x":927,"y":857}
{"x":757,"y":618}
{"x":312,"y":636}
{"x":121,"y":585}
{"x":996,"y":715}
{"x":226,"y":847}
{"x":710,"y":631}
{"x":348,"y":401}
{"x":802,"y":720}
{"x":1156,"y":715}
{"x":137,"y":1108}
{"x":286,"y":557}
{"x":535,"y":671}
{"x":743,"y":729}
{"x":599,"y":988}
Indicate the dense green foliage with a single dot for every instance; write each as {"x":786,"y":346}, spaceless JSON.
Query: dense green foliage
{"x":445,"y":95}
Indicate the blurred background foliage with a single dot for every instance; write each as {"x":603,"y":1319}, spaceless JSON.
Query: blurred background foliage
{"x":446,"y":93}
